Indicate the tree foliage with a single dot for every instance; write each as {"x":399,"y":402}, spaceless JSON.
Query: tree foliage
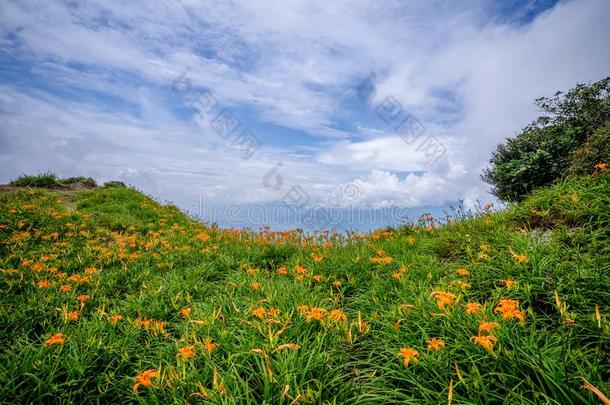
{"x":544,"y":150}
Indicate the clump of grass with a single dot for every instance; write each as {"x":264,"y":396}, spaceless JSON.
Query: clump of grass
{"x":120,"y":299}
{"x":82,"y":181}
{"x":114,"y":183}
{"x":42,"y":180}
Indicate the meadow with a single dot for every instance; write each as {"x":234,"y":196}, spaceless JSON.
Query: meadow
{"x":108,"y":296}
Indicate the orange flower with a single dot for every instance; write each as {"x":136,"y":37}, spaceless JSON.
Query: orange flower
{"x":273,"y":312}
{"x":259,"y":312}
{"x":317,"y":259}
{"x":396,"y":276}
{"x":185,"y":312}
{"x":473,"y":308}
{"x":290,"y":346}
{"x":435,"y":343}
{"x":209,"y":345}
{"x":56,"y":339}
{"x":143,"y":379}
{"x":601,"y":166}
{"x":315,"y":313}
{"x":337,"y":315}
{"x":300,"y":270}
{"x":509,"y":283}
{"x":43,"y":284}
{"x":255,"y":285}
{"x":463,"y":272}
{"x":410,"y":240}
{"x":337,"y":283}
{"x":186,"y":352}
{"x":281,"y":271}
{"x":72,"y":316}
{"x":115,"y":318}
{"x":303,"y":308}
{"x":318,"y":278}
{"x":83,"y":298}
{"x":509,"y":310}
{"x":488,"y":327}
{"x":521,"y":258}
{"x":487,"y":341}
{"x":65,"y":288}
{"x":408,"y":354}
{"x":443,"y":299}
{"x":381,"y":260}
{"x":252,"y":271}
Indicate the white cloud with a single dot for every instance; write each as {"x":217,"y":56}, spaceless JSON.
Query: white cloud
{"x":469,"y":77}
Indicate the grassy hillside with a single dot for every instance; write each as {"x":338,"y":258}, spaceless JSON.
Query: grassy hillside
{"x":110,"y":297}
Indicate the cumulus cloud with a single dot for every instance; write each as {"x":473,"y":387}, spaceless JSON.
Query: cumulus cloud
{"x":86,"y":90}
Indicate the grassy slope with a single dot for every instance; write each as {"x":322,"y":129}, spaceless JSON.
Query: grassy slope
{"x":150,"y":262}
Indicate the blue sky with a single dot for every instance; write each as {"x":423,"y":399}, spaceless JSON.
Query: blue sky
{"x":96,"y":90}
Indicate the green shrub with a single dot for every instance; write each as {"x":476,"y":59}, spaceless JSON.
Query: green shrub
{"x":540,"y":154}
{"x":43,"y":180}
{"x":83,"y":181}
{"x":595,"y":150}
{"x":114,"y":184}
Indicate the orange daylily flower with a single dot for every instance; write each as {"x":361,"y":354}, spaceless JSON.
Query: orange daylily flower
{"x":43,"y":284}
{"x":72,"y":315}
{"x":282,"y":271}
{"x":185,"y":312}
{"x":473,"y":308}
{"x":315,"y":313}
{"x":83,"y":298}
{"x":381,"y":260}
{"x":143,"y":379}
{"x":186,"y":352}
{"x":408,"y":354}
{"x":486,"y":341}
{"x":337,"y":283}
{"x":289,"y":346}
{"x":56,"y":339}
{"x":488,"y":327}
{"x":509,"y":282}
{"x":255,"y":285}
{"x":396,"y":276}
{"x":443,"y":299}
{"x":259,"y":312}
{"x":273,"y":312}
{"x":115,"y":318}
{"x":463,"y":272}
{"x":435,"y":343}
{"x":209,"y":345}
{"x":65,"y":288}
{"x":337,"y":315}
{"x":510,"y":309}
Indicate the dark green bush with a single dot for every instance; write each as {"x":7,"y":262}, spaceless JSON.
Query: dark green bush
{"x":43,"y":180}
{"x":595,"y":150}
{"x":541,"y":154}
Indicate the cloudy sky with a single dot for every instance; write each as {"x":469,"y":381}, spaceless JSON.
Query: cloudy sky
{"x":394,"y":103}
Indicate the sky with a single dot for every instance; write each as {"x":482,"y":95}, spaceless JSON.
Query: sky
{"x":251,"y":113}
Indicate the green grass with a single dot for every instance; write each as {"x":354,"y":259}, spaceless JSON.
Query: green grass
{"x":145,"y":261}
{"x":43,"y":180}
{"x":49,"y":180}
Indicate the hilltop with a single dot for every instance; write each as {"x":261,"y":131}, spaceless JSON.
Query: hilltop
{"x":109,"y":296}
